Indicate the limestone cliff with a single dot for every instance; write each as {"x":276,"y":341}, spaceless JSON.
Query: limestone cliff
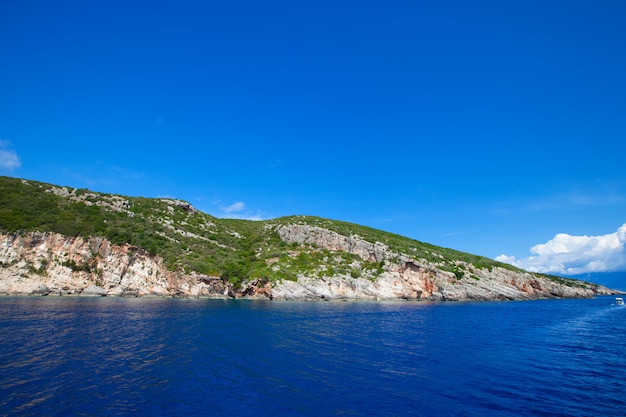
{"x":51,"y":264}
{"x":66,"y":241}
{"x":408,"y":278}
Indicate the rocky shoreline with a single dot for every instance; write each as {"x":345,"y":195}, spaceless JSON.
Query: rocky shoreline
{"x":47,"y":264}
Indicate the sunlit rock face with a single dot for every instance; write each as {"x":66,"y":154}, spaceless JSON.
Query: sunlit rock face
{"x":408,"y":278}
{"x":52,"y":264}
{"x":78,"y":266}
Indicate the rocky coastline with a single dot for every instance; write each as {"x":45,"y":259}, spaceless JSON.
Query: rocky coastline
{"x":50,"y":264}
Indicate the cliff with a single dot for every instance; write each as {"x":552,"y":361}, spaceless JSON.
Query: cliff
{"x":408,"y":278}
{"x":51,"y":264}
{"x":62,"y":241}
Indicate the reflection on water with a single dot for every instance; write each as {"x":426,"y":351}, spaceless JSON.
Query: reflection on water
{"x":107,"y":356}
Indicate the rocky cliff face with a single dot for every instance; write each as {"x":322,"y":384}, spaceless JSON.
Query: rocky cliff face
{"x":49,"y":263}
{"x":407,"y":278}
{"x":52,"y":264}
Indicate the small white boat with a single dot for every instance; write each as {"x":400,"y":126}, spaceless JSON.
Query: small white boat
{"x":619,"y":301}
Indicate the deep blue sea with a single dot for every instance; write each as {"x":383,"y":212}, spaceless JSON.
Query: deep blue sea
{"x":169,"y":357}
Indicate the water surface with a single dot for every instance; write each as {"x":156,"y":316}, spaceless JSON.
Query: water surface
{"x":116,"y":356}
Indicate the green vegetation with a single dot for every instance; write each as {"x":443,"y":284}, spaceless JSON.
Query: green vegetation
{"x":189,"y":240}
{"x":443,"y":257}
{"x":565,"y":281}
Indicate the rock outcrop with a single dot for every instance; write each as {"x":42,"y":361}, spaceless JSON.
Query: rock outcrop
{"x":412,"y":279}
{"x":324,"y":238}
{"x":48,"y":263}
{"x":51,"y":264}
{"x":499,"y":284}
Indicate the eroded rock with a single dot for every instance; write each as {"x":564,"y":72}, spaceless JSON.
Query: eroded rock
{"x":48,"y":263}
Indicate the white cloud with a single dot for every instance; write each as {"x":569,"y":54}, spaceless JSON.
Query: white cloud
{"x":571,"y":255}
{"x":8,"y":157}
{"x":238,"y":210}
{"x":248,"y":216}
{"x":235,"y":207}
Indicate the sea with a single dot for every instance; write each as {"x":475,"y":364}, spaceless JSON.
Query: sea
{"x":65,"y":356}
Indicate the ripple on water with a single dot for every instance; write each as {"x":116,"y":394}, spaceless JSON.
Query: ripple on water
{"x":184,"y":357}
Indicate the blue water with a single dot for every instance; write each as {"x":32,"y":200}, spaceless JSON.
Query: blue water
{"x":153,"y":357}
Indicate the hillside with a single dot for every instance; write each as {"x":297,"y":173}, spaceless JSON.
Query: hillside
{"x":60,"y":240}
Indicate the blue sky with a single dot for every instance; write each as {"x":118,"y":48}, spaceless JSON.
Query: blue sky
{"x":490,"y":127}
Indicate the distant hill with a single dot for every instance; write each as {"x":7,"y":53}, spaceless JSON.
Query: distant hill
{"x":615,"y":280}
{"x":62,"y":240}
